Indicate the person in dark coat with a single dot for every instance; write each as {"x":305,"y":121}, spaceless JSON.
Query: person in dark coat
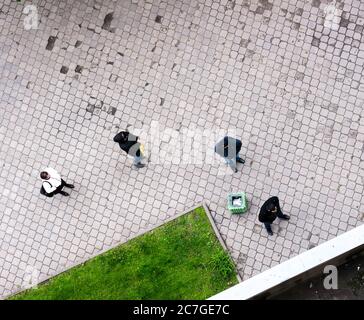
{"x":229,"y":149}
{"x":269,"y":212}
{"x":129,"y":143}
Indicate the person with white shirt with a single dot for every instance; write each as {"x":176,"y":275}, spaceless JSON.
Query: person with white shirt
{"x":53,"y":183}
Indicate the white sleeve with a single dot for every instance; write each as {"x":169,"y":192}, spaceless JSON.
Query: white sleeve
{"x":53,"y":173}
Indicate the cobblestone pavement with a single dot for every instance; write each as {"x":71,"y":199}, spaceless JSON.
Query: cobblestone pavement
{"x":285,"y":75}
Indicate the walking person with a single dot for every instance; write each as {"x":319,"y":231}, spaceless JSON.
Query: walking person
{"x":269,"y":212}
{"x":229,"y":149}
{"x":129,"y":143}
{"x":53,"y":183}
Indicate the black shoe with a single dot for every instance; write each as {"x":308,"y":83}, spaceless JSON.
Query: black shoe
{"x":71,"y":186}
{"x":240,"y":160}
{"x":270,"y":233}
{"x":64,"y":193}
{"x":284,"y":217}
{"x":140,"y":165}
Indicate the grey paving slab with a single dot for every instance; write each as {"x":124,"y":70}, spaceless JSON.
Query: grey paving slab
{"x":285,"y":76}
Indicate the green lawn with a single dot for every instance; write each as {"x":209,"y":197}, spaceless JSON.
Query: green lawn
{"x":180,"y":260}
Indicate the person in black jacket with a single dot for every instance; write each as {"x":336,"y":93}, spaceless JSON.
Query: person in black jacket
{"x":269,"y":212}
{"x":129,"y":143}
{"x":229,"y":149}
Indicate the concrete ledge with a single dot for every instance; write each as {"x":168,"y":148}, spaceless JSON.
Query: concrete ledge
{"x":331,"y":251}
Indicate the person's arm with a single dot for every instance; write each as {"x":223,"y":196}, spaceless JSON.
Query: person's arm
{"x":238,"y":146}
{"x":276,"y":203}
{"x":279,"y":212}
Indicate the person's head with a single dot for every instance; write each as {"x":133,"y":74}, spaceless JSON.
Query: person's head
{"x":272,"y":208}
{"x":124,"y":136}
{"x":45,"y":175}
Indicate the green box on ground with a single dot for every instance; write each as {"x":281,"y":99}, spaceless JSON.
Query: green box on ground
{"x":237,"y":202}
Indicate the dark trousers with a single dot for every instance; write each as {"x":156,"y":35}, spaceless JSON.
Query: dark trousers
{"x":232,"y":162}
{"x":63,"y":184}
{"x":268,"y":225}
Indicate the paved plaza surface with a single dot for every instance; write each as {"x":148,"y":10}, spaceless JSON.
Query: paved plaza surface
{"x":285,"y":76}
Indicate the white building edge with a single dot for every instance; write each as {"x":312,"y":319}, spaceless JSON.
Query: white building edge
{"x":306,"y":264}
